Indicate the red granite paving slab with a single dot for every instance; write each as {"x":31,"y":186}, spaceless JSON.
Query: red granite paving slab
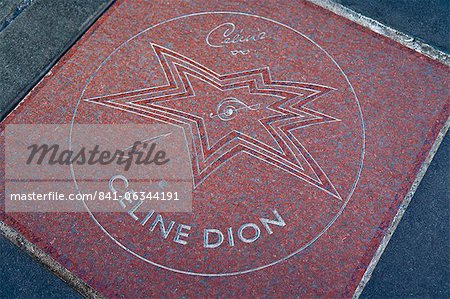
{"x":290,"y":113}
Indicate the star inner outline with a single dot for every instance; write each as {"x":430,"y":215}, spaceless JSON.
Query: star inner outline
{"x":289,"y":114}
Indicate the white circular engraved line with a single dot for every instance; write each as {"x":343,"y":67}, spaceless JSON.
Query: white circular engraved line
{"x":248,"y":270}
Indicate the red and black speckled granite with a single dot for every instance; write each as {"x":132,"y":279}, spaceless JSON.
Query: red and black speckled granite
{"x":404,"y":102}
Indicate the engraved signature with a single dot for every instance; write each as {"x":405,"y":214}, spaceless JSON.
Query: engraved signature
{"x":227,"y":34}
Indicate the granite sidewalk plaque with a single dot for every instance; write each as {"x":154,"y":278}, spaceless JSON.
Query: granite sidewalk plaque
{"x":302,"y":133}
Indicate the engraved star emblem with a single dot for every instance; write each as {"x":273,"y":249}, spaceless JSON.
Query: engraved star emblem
{"x":224,"y":115}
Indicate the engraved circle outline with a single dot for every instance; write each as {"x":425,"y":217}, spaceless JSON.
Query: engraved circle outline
{"x":259,"y":267}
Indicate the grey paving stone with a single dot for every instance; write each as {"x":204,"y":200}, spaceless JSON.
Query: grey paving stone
{"x":425,"y":19}
{"x":21,"y":277}
{"x":6,"y":7}
{"x":36,"y":39}
{"x":10,"y":10}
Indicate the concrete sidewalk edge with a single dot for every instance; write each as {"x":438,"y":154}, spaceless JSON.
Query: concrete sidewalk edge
{"x":384,"y":30}
{"x":56,"y":268}
{"x":86,"y":25}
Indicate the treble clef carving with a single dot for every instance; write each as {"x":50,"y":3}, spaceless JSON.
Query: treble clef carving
{"x":227,"y":109}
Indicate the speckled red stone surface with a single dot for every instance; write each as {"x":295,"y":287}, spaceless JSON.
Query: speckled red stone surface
{"x":305,"y":132}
